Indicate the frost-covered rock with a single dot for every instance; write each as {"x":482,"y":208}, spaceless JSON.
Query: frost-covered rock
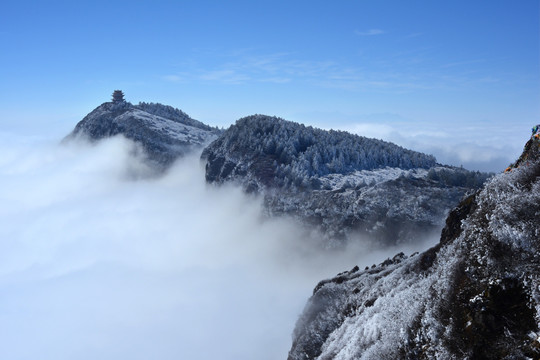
{"x":165,"y":133}
{"x":476,"y":295}
{"x":343,"y":184}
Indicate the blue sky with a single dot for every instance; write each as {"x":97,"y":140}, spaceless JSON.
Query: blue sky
{"x":460,"y":79}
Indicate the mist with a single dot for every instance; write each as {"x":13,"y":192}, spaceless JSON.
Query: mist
{"x":101,"y":259}
{"x":488,"y":148}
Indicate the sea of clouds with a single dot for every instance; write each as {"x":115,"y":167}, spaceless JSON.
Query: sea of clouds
{"x":487,"y":148}
{"x":101,"y":259}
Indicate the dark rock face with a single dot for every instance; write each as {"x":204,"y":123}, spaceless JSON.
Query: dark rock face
{"x":342,"y":184}
{"x":163,"y":132}
{"x":476,"y":295}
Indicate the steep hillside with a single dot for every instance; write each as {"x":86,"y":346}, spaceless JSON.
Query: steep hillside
{"x":165,"y":133}
{"x":341,"y":183}
{"x":476,"y":295}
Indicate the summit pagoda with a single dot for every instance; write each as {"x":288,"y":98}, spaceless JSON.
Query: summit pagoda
{"x":118,"y":97}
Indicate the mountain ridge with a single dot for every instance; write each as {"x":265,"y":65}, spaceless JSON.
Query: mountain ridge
{"x":306,"y":151}
{"x":345,"y":185}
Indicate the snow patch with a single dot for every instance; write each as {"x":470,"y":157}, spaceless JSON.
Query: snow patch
{"x":172,"y":128}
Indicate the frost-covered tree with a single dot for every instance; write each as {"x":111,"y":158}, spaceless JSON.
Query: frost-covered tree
{"x":303,"y":152}
{"x":172,"y":113}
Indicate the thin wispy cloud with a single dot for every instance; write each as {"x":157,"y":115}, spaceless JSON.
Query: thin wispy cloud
{"x":370,"y":32}
{"x":241,"y":68}
{"x":463,"y":63}
{"x":280,"y":65}
{"x":276,"y":80}
{"x":404,"y":72}
{"x":414,"y":35}
{"x":173,"y":78}
{"x":229,"y":76}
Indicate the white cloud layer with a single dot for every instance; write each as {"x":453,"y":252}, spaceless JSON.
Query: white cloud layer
{"x":490,"y":148}
{"x":100,"y":261}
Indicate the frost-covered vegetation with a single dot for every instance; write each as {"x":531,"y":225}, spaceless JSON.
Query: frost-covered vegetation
{"x":387,"y":205}
{"x":476,"y":295}
{"x":171,"y":113}
{"x":296,"y":154}
{"x":458,"y":177}
{"x":343,"y":184}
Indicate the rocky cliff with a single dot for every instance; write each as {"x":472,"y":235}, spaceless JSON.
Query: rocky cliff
{"x":476,"y":295}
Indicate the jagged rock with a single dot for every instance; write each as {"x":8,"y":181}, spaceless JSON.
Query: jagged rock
{"x":165,"y":133}
{"x":476,"y":295}
{"x":343,"y":184}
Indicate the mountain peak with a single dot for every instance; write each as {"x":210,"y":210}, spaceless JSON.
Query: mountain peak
{"x":165,"y":133}
{"x":531,"y":150}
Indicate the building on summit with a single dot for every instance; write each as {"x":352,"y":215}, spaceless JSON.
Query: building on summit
{"x":118,"y":97}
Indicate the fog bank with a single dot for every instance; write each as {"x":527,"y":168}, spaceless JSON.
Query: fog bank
{"x":99,"y":260}
{"x":488,"y":148}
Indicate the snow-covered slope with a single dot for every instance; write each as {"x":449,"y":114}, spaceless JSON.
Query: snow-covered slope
{"x":163,"y":132}
{"x":343,"y":184}
{"x":476,"y":295}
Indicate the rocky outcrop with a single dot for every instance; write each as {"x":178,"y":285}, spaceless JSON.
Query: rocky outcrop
{"x":476,"y":295}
